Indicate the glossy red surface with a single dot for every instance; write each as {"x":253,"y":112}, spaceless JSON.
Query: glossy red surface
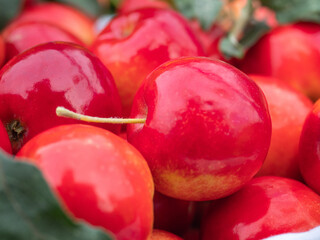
{"x":55,"y":74}
{"x":135,"y":43}
{"x":131,"y":5}
{"x":98,"y":176}
{"x":4,"y":140}
{"x":163,"y":235}
{"x":172,"y":215}
{"x":295,"y":61}
{"x":309,"y":160}
{"x":66,"y":17}
{"x":207,"y":129}
{"x":266,"y":206}
{"x":22,"y":36}
{"x":2,"y":51}
{"x":288,"y":110}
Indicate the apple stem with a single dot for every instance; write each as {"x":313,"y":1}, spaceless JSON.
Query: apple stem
{"x":63,"y":112}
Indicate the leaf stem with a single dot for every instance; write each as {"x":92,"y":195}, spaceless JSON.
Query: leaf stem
{"x":63,"y":112}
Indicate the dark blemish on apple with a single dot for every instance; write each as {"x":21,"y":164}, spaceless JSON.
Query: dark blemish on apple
{"x":15,"y":132}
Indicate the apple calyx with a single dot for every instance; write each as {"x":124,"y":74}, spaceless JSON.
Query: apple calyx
{"x":63,"y":112}
{"x":15,"y":132}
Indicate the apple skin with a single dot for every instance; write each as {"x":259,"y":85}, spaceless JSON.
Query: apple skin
{"x":288,"y":110}
{"x":264,"y":207}
{"x":209,"y":39}
{"x":29,"y":3}
{"x":135,"y":43}
{"x":132,"y":5}
{"x":295,"y":62}
{"x":2,"y":51}
{"x":163,"y":235}
{"x":309,"y":160}
{"x":207,"y":129}
{"x":4,"y":139}
{"x":98,"y":176}
{"x":66,"y":17}
{"x":36,"y":82}
{"x":172,"y":215}
{"x":22,"y":36}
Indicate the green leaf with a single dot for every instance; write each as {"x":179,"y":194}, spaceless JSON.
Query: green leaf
{"x":30,"y":211}
{"x":8,"y":10}
{"x":206,"y":11}
{"x":294,"y":10}
{"x":246,"y":31}
{"x":230,"y":47}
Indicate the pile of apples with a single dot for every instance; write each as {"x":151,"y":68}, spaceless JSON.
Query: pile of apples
{"x":214,"y":148}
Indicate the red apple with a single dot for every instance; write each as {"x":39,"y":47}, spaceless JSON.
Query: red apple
{"x":163,"y":235}
{"x":22,"y":36}
{"x":98,"y":176}
{"x":290,"y":53}
{"x":2,"y":51}
{"x":172,"y":215}
{"x":36,"y":82}
{"x":29,"y":3}
{"x":207,"y":129}
{"x":4,"y":139}
{"x":266,"y":206}
{"x":131,"y":5}
{"x":66,"y":17}
{"x":215,"y":34}
{"x":288,"y":110}
{"x":135,"y":43}
{"x":209,"y":39}
{"x":309,"y":149}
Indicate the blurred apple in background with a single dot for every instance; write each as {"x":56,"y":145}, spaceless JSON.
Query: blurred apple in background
{"x":24,"y":35}
{"x":309,"y":149}
{"x":131,"y":5}
{"x":288,"y":110}
{"x":290,"y":53}
{"x":66,"y":17}
{"x":135,"y":43}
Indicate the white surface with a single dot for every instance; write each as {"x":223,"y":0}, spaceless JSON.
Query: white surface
{"x":313,"y":234}
{"x":102,"y":22}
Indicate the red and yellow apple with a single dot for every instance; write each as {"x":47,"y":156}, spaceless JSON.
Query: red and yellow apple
{"x":135,"y":43}
{"x":66,"y":17}
{"x":207,"y":129}
{"x":98,"y":177}
{"x":288,"y":110}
